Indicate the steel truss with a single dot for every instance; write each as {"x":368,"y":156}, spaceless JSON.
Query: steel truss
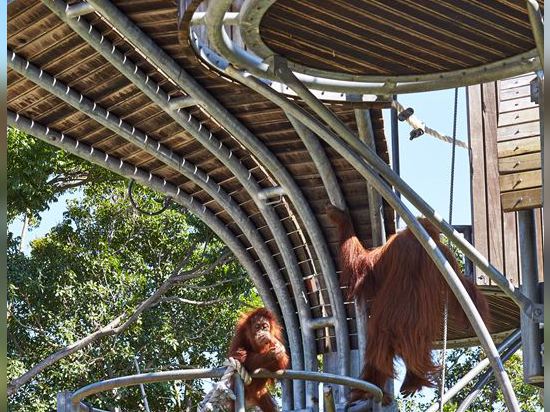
{"x":359,"y":152}
{"x":360,"y":155}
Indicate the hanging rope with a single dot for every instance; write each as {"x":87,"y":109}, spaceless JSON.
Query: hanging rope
{"x":451,"y":197}
{"x":221,"y":394}
{"x":417,"y":124}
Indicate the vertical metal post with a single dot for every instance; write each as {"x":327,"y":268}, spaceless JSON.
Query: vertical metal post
{"x":239,"y":393}
{"x":531,"y":335}
{"x":142,"y":387}
{"x":395,"y":149}
{"x":63,"y":403}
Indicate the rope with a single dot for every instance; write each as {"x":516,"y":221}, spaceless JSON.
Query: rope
{"x":418,"y":124}
{"x":221,"y":394}
{"x":451,"y":196}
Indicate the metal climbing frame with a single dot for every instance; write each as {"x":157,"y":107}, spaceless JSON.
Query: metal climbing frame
{"x":72,"y":401}
{"x":361,"y":156}
{"x":243,"y":66}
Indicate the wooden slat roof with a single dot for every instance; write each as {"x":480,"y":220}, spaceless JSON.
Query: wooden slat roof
{"x":402,"y":37}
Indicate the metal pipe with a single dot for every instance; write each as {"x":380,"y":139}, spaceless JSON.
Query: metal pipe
{"x":142,"y":388}
{"x":222,"y":115}
{"x":394,"y":179}
{"x":381,"y":85}
{"x":395,"y":163}
{"x":382,"y":187}
{"x":531,"y":334}
{"x":511,"y":340}
{"x":198,"y":131}
{"x":131,"y":134}
{"x":79,"y":9}
{"x":239,"y":393}
{"x":484,"y":379}
{"x":189,"y":374}
{"x":251,"y":14}
{"x":229,"y":19}
{"x":181,"y":102}
{"x":129,"y":171}
{"x":320,"y":323}
{"x":270,"y":192}
{"x":332,"y":187}
{"x":537,"y":25}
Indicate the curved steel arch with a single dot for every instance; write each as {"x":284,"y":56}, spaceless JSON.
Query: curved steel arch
{"x":145,"y":178}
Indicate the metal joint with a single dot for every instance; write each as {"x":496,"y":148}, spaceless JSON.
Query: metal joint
{"x":79,"y":9}
{"x":271,"y":192}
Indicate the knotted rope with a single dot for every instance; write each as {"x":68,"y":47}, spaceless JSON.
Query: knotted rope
{"x":219,"y":396}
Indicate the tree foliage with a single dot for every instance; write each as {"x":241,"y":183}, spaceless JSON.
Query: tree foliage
{"x":39,"y":173}
{"x":102,"y":261}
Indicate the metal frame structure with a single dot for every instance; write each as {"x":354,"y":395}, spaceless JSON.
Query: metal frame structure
{"x":72,"y":402}
{"x":344,"y":141}
{"x":304,"y":82}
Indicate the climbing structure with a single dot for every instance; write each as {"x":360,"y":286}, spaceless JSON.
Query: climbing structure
{"x":254,"y":115}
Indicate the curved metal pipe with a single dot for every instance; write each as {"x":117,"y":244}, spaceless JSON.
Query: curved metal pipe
{"x":207,"y":139}
{"x":381,"y":85}
{"x":512,"y":340}
{"x":189,"y":374}
{"x":221,"y":114}
{"x":252,"y":12}
{"x":537,"y":25}
{"x":484,"y":379}
{"x":372,"y":176}
{"x":400,"y":185}
{"x":129,"y":171}
{"x":138,"y":138}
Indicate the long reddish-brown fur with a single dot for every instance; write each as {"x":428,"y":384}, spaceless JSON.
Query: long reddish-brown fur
{"x":253,"y":355}
{"x":405,"y":294}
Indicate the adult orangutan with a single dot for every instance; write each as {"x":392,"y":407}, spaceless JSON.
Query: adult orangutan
{"x":404,"y":294}
{"x":258,"y":343}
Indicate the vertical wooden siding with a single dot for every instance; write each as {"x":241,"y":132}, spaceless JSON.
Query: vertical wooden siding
{"x":490,"y":127}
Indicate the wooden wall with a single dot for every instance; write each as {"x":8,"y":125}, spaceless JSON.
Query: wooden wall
{"x":503,"y":124}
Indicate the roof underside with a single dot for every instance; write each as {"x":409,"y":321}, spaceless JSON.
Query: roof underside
{"x":37,"y":35}
{"x":401,"y":37}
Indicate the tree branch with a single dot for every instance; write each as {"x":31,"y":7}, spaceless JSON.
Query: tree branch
{"x":117,"y":325}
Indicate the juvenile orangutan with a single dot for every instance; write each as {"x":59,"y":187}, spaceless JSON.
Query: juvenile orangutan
{"x":258,"y":343}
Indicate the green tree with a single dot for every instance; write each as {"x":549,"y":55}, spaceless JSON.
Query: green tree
{"x":119,"y":284}
{"x":39,"y":173}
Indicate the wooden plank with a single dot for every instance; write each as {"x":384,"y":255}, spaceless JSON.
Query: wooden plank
{"x":516,"y":81}
{"x":521,"y":199}
{"x":518,"y":147}
{"x":518,"y":131}
{"x":516,"y":104}
{"x":520,"y":181}
{"x":516,"y":92}
{"x":517,"y":117}
{"x":494,"y":213}
{"x":511,"y":258}
{"x":479,"y":217}
{"x":521,"y":163}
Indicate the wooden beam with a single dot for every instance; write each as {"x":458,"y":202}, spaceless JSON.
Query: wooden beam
{"x":518,"y":146}
{"x":521,"y":199}
{"x":520,"y":181}
{"x":521,"y":163}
